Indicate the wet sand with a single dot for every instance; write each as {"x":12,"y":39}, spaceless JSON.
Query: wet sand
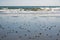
{"x":29,"y":14}
{"x":29,"y":27}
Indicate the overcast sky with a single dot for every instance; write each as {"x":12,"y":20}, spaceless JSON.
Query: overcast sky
{"x":29,"y":2}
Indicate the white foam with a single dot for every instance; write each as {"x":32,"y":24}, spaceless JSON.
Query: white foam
{"x":5,"y":10}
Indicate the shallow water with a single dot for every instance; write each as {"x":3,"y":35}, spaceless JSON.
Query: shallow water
{"x":29,"y":28}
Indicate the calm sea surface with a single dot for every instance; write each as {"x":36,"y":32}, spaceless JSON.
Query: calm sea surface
{"x":16,"y":7}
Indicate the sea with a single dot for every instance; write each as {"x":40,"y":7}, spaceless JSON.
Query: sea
{"x":16,"y":7}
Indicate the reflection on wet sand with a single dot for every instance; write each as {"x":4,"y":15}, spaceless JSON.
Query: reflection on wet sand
{"x":29,"y":28}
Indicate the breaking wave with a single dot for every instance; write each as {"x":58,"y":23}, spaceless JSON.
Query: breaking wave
{"x":31,"y":10}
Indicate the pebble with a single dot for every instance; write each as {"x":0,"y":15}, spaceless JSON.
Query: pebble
{"x":20,"y":36}
{"x":1,"y":26}
{"x":59,"y":30}
{"x":2,"y":37}
{"x":57,"y":34}
{"x":56,"y":39}
{"x":25,"y":34}
{"x":49,"y":28}
{"x":28,"y":30}
{"x":50,"y":36}
{"x":16,"y":31}
{"x":29,"y":37}
{"x":55,"y":26}
{"x":37,"y":36}
{"x":5,"y":36}
{"x":40,"y":33}
{"x":47,"y":34}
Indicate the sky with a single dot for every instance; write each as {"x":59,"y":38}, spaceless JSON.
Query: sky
{"x":29,"y":2}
